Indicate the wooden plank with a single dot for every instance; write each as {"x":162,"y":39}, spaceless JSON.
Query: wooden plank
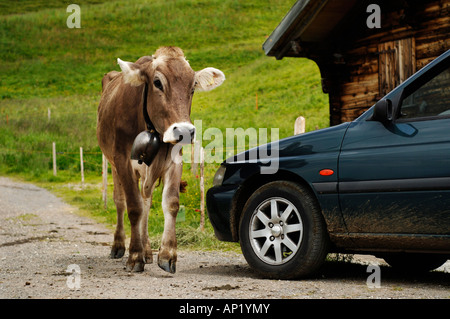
{"x":349,"y":99}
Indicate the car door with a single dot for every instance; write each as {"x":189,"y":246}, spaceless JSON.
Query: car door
{"x":394,"y":178}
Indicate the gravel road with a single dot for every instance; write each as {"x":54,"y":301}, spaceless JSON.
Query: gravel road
{"x":49,"y":251}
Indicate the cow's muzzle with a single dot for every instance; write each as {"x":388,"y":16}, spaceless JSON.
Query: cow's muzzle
{"x":183,"y":133}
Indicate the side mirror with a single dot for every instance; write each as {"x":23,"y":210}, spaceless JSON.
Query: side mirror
{"x":383,"y":111}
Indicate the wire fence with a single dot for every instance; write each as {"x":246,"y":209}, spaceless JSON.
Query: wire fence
{"x":96,"y":161}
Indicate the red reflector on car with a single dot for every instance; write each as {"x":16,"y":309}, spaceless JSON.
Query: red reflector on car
{"x":326,"y":172}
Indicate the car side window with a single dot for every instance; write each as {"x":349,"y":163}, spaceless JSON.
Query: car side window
{"x":430,"y":100}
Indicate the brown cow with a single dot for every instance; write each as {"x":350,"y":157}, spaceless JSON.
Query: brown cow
{"x":171,"y":84}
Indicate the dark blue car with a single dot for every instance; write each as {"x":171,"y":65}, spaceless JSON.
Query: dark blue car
{"x":378,"y":185}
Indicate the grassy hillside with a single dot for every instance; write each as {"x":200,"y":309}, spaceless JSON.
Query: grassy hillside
{"x":51,"y":82}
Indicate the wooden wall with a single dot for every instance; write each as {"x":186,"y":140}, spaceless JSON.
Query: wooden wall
{"x":378,"y":60}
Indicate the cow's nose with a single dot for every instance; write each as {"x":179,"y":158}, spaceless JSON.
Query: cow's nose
{"x":192,"y":131}
{"x":178,"y":133}
{"x":181,"y":132}
{"x":184,"y":133}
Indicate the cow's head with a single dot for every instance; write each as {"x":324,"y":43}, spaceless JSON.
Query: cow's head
{"x":171,"y":82}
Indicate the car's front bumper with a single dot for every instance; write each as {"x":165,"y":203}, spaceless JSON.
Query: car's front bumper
{"x":219,"y":201}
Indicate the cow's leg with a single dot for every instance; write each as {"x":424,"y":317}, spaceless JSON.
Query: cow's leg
{"x":147,"y":188}
{"x":118,"y":248}
{"x":167,"y":256}
{"x":130,"y":185}
{"x":145,"y":239}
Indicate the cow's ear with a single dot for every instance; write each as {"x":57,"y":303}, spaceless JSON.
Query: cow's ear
{"x":208,"y":79}
{"x":131,"y":73}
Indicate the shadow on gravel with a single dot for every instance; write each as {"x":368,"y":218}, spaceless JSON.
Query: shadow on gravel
{"x":103,"y":266}
{"x":336,"y":270}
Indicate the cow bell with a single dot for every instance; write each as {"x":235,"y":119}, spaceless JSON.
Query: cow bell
{"x":145,"y":147}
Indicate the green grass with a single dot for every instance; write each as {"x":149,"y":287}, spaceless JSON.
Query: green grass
{"x":49,"y":67}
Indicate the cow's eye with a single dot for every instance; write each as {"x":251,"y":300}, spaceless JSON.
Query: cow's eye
{"x":193,"y":89}
{"x":157,"y":83}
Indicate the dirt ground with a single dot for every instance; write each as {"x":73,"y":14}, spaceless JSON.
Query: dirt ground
{"x":48,"y":251}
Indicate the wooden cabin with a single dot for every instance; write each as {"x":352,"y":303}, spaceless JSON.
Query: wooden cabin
{"x":361,"y":58}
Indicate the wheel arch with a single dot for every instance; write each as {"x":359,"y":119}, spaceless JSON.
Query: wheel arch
{"x":250,"y":185}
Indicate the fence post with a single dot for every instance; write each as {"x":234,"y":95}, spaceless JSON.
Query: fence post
{"x":202,"y":190}
{"x":105,"y":178}
{"x":54,"y":158}
{"x":299,"y":126}
{"x":195,"y":157}
{"x":192,"y":156}
{"x":82,"y":167}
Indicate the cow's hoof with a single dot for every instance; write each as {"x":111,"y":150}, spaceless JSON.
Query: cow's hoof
{"x":135,"y":263}
{"x":148,"y":254}
{"x":137,"y":267}
{"x":167,"y":265}
{"x":117,"y":252}
{"x":148,"y":258}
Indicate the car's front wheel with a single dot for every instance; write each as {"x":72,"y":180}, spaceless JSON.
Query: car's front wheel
{"x":282,"y":231}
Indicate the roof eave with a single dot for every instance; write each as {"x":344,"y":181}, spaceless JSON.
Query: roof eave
{"x":296,"y":20}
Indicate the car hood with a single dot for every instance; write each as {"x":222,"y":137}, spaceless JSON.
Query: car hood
{"x":320,"y":141}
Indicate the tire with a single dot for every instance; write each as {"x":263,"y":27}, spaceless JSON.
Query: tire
{"x":282,"y":231}
{"x":414,"y":263}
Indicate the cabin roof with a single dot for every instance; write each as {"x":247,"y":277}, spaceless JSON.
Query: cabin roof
{"x":308,"y":23}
